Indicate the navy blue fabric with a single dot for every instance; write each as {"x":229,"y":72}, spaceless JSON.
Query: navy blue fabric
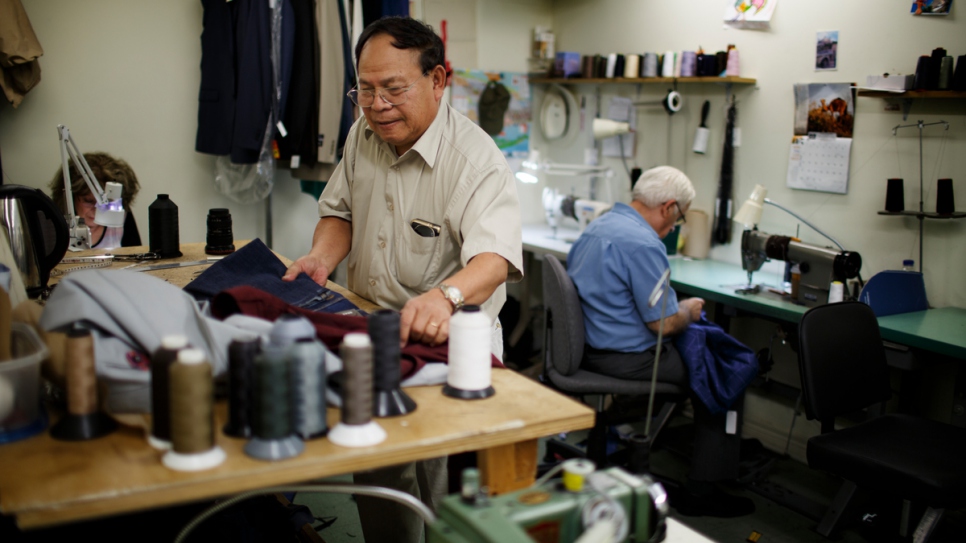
{"x":255,"y":265}
{"x":719,"y":366}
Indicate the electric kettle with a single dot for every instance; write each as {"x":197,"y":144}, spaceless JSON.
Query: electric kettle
{"x":37,"y":232}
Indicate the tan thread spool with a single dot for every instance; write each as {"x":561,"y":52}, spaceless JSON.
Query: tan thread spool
{"x":192,"y":403}
{"x":81,"y":374}
{"x":357,"y":359}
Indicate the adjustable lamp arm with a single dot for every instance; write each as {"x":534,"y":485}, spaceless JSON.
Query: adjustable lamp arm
{"x":109,"y":208}
{"x":812,"y":226}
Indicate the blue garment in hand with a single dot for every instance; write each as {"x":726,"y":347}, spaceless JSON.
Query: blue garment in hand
{"x":719,"y":366}
{"x":255,"y":265}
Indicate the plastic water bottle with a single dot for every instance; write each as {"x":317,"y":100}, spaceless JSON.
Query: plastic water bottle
{"x":909,"y":265}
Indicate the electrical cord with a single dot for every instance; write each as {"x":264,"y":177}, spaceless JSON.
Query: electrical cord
{"x":340,"y":488}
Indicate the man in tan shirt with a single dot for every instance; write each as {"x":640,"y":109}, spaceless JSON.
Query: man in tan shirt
{"x":425,"y":207}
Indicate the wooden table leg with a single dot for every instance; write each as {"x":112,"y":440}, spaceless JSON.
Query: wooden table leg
{"x":508,"y":467}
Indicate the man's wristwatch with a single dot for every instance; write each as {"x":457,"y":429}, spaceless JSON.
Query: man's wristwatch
{"x":452,"y":295}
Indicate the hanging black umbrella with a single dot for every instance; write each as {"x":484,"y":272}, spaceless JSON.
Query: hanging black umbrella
{"x":721,"y":233}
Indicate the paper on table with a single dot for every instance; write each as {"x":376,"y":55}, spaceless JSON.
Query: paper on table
{"x":819,"y":162}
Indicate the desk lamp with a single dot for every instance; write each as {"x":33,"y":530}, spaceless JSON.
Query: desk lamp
{"x":109,"y":210}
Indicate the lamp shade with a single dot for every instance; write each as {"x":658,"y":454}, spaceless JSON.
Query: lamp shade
{"x":605,"y":128}
{"x":750,"y":212}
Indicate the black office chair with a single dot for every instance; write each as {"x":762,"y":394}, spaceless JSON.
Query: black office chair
{"x":843,"y":370}
{"x":564,"y":349}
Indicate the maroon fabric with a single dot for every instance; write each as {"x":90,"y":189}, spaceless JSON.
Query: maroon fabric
{"x":329,"y":327}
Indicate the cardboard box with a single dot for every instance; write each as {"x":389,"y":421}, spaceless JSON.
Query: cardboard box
{"x":890,"y":82}
{"x":566,"y":64}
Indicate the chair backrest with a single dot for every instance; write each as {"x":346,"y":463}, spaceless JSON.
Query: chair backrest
{"x":565,"y":320}
{"x":841,"y":360}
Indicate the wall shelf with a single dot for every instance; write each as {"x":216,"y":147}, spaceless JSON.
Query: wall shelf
{"x":645,"y":80}
{"x":906,"y":97}
{"x":926,"y":214}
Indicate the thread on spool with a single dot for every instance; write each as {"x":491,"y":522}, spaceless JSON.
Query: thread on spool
{"x":469,"y":355}
{"x":83,"y":421}
{"x":357,"y":428}
{"x":895,"y":197}
{"x":273,"y":437}
{"x":632,"y":66}
{"x":308,"y":388}
{"x":357,"y":404}
{"x":732,"y":67}
{"x":945,"y":202}
{"x":163,"y":234}
{"x":273,"y":415}
{"x":81,"y":375}
{"x":649,"y":68}
{"x":587,"y":66}
{"x":688,"y":63}
{"x":611,"y":65}
{"x":161,"y":363}
{"x":192,"y":403}
{"x":575,"y":472}
{"x":388,"y":399}
{"x":193,"y":444}
{"x":241,"y":379}
{"x":836,"y":292}
{"x":220,"y":240}
{"x":721,"y":63}
{"x":667,"y":64}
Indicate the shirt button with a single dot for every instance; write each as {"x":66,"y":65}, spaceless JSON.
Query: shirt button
{"x":390,"y":207}
{"x":372,"y":282}
{"x":382,"y":244}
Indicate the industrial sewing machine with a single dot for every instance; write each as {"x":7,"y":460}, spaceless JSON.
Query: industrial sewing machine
{"x":610,"y":506}
{"x":819,"y":266}
{"x":558,"y":207}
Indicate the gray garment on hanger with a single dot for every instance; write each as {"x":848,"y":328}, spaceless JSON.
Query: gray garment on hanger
{"x":128,"y":314}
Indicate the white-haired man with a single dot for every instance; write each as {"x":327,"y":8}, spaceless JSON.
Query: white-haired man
{"x":615,"y":265}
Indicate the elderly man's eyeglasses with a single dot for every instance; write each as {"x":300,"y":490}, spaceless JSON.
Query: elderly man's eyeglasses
{"x":681,"y":219}
{"x":394,"y":96}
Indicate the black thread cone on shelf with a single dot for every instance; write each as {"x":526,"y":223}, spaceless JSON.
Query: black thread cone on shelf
{"x":163,"y":234}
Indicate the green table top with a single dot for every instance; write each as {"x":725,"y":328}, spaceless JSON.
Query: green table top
{"x":941,"y":330}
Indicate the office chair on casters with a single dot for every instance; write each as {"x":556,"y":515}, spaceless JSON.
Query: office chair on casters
{"x":843,"y":370}
{"x":564,"y":349}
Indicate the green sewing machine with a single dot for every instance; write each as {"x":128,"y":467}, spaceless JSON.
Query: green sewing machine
{"x":609,"y":505}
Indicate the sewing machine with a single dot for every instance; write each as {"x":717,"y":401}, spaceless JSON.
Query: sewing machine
{"x":558,"y":208}
{"x":819,"y":266}
{"x":611,"y":506}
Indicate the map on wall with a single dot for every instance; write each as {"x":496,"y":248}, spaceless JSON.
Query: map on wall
{"x":468,"y":85}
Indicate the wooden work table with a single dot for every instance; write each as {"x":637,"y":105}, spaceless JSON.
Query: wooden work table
{"x":45,"y":482}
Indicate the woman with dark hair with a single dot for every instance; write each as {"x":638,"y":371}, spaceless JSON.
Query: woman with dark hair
{"x":106,"y":169}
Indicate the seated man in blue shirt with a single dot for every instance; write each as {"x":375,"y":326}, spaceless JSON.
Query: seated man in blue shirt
{"x":615,"y":265}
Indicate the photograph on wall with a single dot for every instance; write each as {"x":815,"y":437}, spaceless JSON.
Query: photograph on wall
{"x":749,"y":14}
{"x":825,"y":108}
{"x":497,"y":101}
{"x":826,"y":50}
{"x":931,"y":7}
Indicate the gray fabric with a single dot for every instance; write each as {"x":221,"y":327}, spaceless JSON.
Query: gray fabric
{"x":128,"y":313}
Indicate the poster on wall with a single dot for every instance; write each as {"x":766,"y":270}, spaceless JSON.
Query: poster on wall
{"x":826,"y":50}
{"x":749,"y":14}
{"x":482,"y":96}
{"x":819,"y":155}
{"x":931,"y":7}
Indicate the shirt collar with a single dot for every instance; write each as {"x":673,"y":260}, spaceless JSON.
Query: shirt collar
{"x":427,"y":146}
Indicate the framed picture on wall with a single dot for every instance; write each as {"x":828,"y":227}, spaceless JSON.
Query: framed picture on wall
{"x":931,"y":7}
{"x":826,"y":50}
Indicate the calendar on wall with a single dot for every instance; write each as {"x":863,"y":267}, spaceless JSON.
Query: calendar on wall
{"x":820,"y":162}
